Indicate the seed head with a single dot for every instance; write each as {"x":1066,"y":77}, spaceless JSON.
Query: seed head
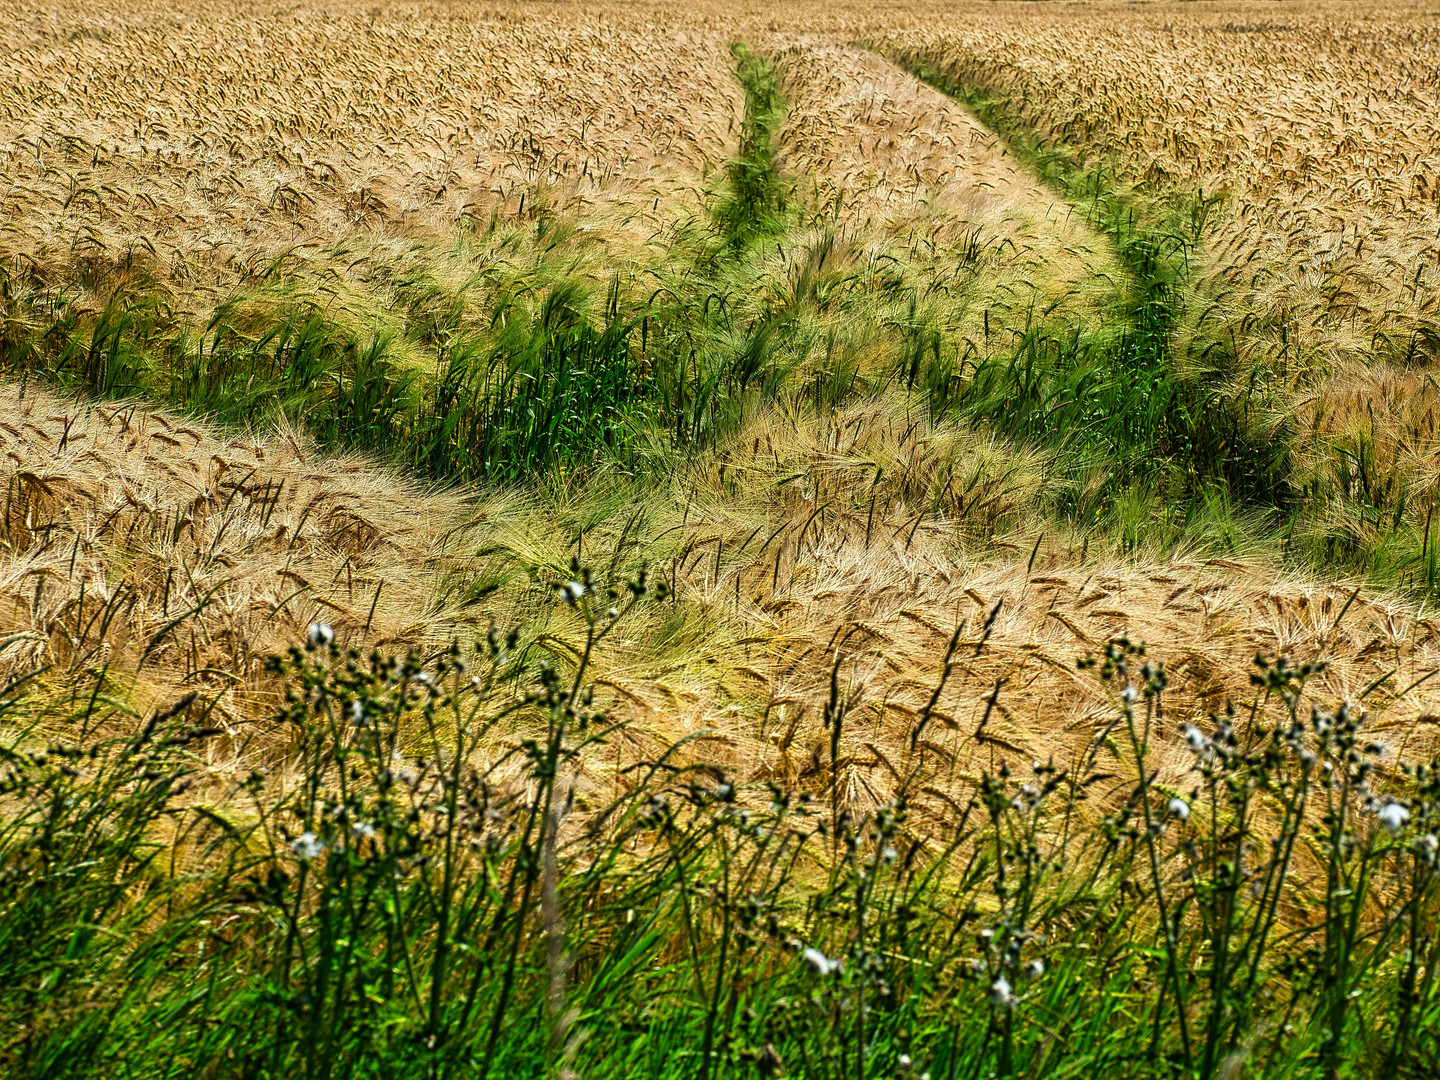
{"x":1179,"y":808}
{"x":321,"y":634}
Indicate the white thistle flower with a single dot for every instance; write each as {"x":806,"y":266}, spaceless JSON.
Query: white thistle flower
{"x":822,"y":964}
{"x":1035,"y":968}
{"x":1129,"y":694}
{"x":307,"y":845}
{"x":1000,"y":992}
{"x":321,"y":634}
{"x":1180,"y":809}
{"x":1194,"y":737}
{"x":357,"y":713}
{"x":1393,"y":816}
{"x":572,"y":591}
{"x":363,"y":830}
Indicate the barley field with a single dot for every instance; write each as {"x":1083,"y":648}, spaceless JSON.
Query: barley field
{"x":622,"y":539}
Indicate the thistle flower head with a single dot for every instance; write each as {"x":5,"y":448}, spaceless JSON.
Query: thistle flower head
{"x":307,"y":846}
{"x":1393,"y":816}
{"x":1001,"y":993}
{"x":822,"y":964}
{"x":1179,"y":808}
{"x":320,"y":634}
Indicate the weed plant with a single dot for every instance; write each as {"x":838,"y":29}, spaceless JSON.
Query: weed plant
{"x":434,"y":879}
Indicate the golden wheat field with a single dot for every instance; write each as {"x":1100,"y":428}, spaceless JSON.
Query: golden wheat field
{"x":614,"y":538}
{"x":208,"y":146}
{"x":208,"y":150}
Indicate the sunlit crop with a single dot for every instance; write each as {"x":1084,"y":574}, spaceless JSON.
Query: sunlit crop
{"x":635,"y":539}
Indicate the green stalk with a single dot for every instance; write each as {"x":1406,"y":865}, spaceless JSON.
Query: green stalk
{"x":1171,"y":943}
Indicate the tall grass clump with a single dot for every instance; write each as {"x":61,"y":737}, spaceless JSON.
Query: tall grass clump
{"x":435,"y":873}
{"x":553,"y":392}
{"x":756,"y":202}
